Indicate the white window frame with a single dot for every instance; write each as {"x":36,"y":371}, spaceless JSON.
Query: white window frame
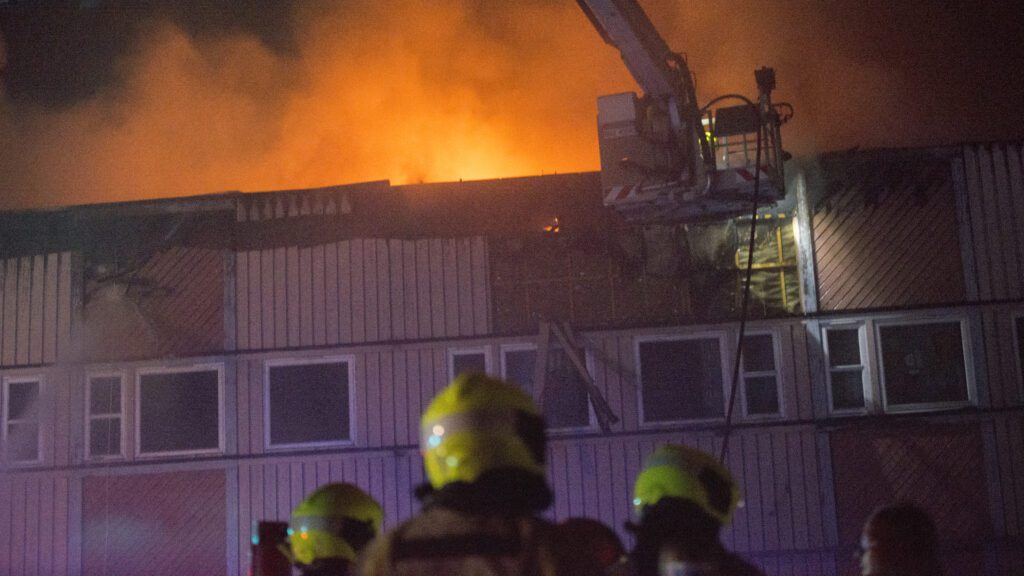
{"x":721,"y":336}
{"x":202,"y":367}
{"x":459,"y":351}
{"x":122,"y":378}
{"x":866,"y":382}
{"x":588,"y":362}
{"x":39,"y":382}
{"x":967,"y":358}
{"x":349,"y":361}
{"x":776,"y":373}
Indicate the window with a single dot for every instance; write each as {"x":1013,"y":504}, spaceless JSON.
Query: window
{"x":923,"y":364}
{"x":681,"y":379}
{"x":308,"y":402}
{"x":565,"y":401}
{"x":468,"y":360}
{"x":21,"y":420}
{"x":760,"y":376}
{"x":843,"y":347}
{"x":180,"y":411}
{"x":104,"y":423}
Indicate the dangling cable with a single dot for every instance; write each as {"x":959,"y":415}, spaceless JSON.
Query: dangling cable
{"x":746,"y":300}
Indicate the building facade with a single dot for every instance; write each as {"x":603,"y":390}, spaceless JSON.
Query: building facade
{"x":174,"y":371}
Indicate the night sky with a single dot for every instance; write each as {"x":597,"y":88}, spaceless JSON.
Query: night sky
{"x":119,"y":100}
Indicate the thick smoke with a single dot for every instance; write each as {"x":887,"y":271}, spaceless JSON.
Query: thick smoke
{"x":413,"y":91}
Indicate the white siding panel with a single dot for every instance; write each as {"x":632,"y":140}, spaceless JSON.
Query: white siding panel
{"x":424,"y":285}
{"x":481,"y":287}
{"x":396,"y":261}
{"x":304,"y":283}
{"x":359,"y":302}
{"x":437,"y":289}
{"x":51,"y":305}
{"x":345,"y":299}
{"x":38,"y":288}
{"x":331,"y":289}
{"x":269,"y":336}
{"x":370,"y":293}
{"x":450,"y":276}
{"x":383,"y":291}
{"x":319,"y":274}
{"x":10,"y":326}
{"x":64,"y":310}
{"x":409,"y":292}
{"x":280,"y":297}
{"x":255,"y":300}
{"x":242,"y":299}
{"x":24,"y":309}
{"x":294,"y":298}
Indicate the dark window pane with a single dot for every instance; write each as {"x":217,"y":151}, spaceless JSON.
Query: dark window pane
{"x":681,"y":379}
{"x":178,"y":411}
{"x":468,"y":362}
{"x":519,"y":368}
{"x":758,"y":353}
{"x":844,"y":346}
{"x":105,"y":437}
{"x":105,"y":395}
{"x":566,"y":404}
{"x":22,"y":400}
{"x":309,"y":403}
{"x":762,"y":395}
{"x":23,"y":442}
{"x":923,"y":363}
{"x":847,"y":390}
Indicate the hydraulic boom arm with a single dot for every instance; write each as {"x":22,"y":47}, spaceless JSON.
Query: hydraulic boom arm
{"x":661,"y":158}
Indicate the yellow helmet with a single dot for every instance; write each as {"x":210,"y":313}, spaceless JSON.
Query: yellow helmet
{"x":682,"y":472}
{"x":335,"y":521}
{"x":478,"y":424}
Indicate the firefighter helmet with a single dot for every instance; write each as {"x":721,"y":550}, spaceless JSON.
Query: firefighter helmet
{"x":335,"y":521}
{"x":686,"y":473}
{"x":478,"y":424}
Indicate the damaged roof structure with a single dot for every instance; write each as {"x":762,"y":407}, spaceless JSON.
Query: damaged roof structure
{"x":230,"y":352}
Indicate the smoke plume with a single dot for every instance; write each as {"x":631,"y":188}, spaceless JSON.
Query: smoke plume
{"x":467,"y":89}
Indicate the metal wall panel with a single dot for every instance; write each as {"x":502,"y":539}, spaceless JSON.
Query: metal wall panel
{"x":166,"y":523}
{"x":885,"y":233}
{"x":35,"y":309}
{"x":34,"y":524}
{"x":361,"y":290}
{"x":993,"y":212}
{"x":172,"y":306}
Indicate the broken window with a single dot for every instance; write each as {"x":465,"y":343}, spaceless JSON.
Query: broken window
{"x":179,"y":411}
{"x":564,"y":398}
{"x":308,"y":403}
{"x":681,"y":379}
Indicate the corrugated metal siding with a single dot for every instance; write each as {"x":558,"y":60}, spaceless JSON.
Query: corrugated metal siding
{"x":781,"y":526}
{"x":994,"y":217}
{"x":885,"y":234}
{"x":173,"y":306}
{"x":34,"y":525}
{"x":161,"y":524}
{"x":1004,"y":448}
{"x":362,"y":290}
{"x":35,"y":314}
{"x":879,"y":466}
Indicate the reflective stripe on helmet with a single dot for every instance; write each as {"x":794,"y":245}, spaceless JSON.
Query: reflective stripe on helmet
{"x":495,"y":420}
